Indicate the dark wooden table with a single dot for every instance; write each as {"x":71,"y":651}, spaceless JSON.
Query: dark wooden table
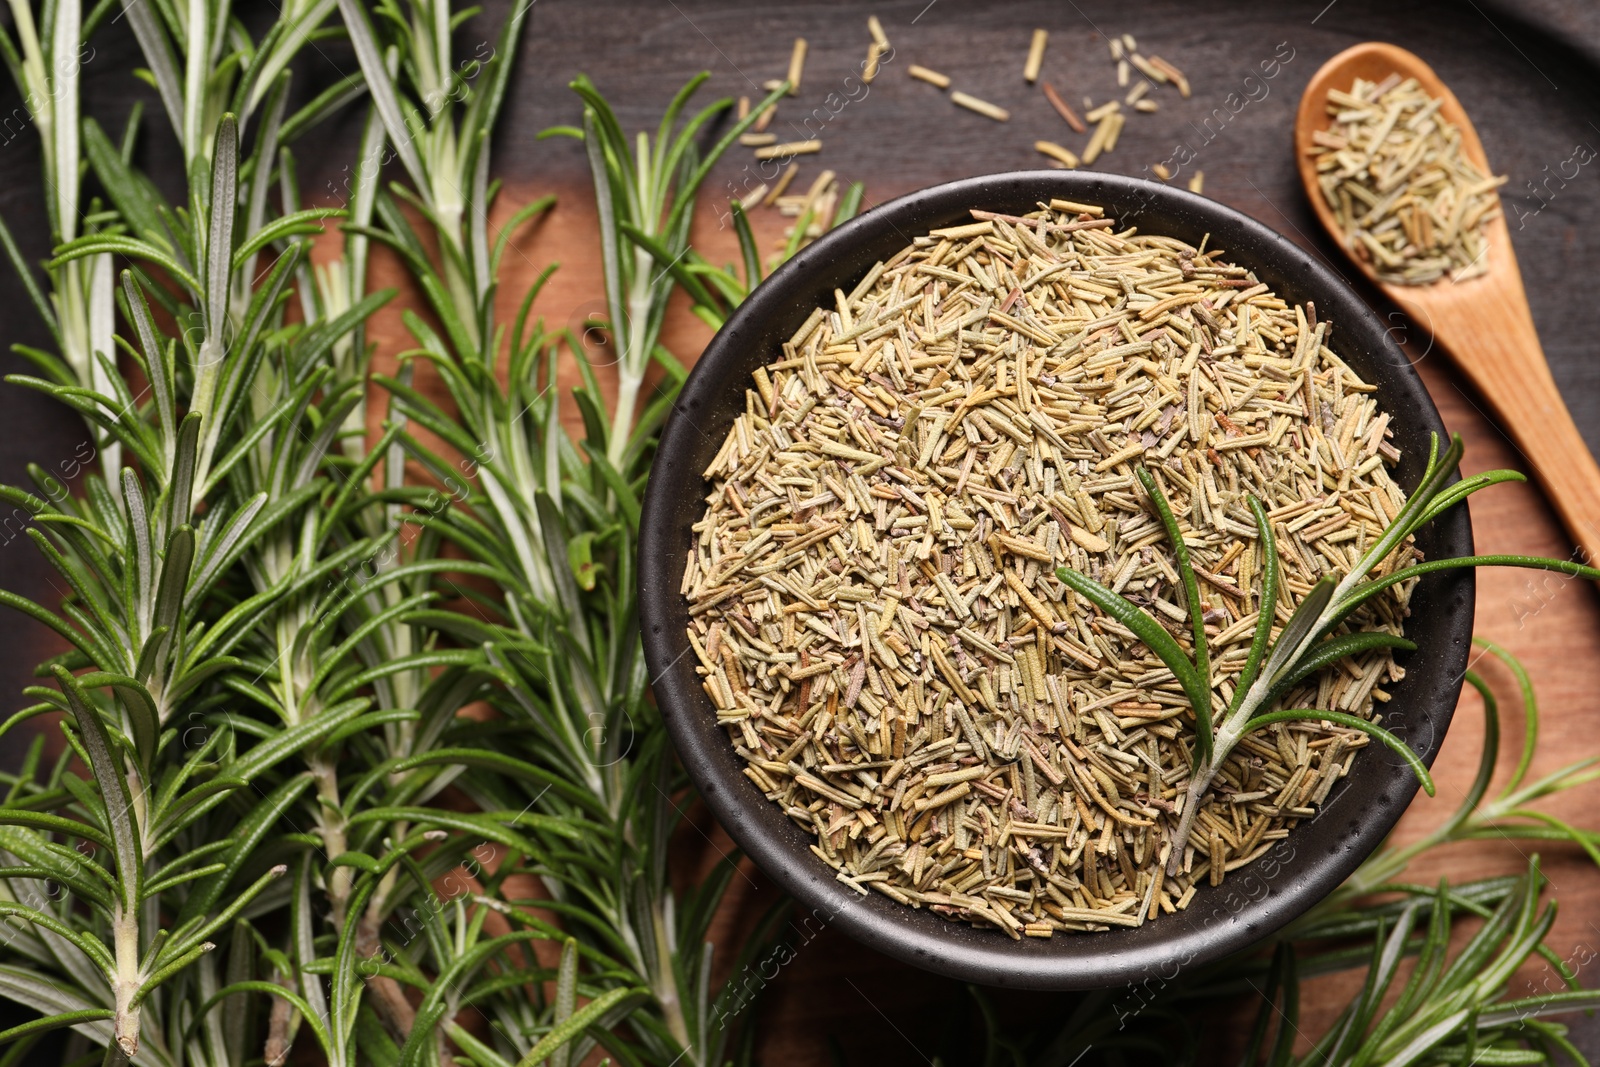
{"x":1528,"y":75}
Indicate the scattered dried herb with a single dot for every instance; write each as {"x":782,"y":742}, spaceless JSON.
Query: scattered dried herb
{"x":869,"y":70}
{"x":797,"y":65}
{"x":814,"y":210}
{"x":875,"y":28}
{"x":1030,"y":69}
{"x":1064,"y":109}
{"x":1056,"y":152}
{"x":788,"y":149}
{"x":982,"y":107}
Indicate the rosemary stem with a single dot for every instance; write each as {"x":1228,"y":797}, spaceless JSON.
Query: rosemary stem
{"x":635,"y":357}
{"x":1233,"y":726}
{"x":125,"y":936}
{"x":666,"y":983}
{"x":341,"y":880}
{"x":1200,"y":784}
{"x":279,"y":1041}
{"x":628,"y":385}
{"x":523,"y":531}
{"x":1200,"y":781}
{"x":461,"y":295}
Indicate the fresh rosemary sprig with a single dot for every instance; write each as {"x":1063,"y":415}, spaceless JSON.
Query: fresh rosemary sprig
{"x":1304,"y":645}
{"x":1508,"y":815}
{"x":203,"y":64}
{"x":646,"y":195}
{"x":229,"y":662}
{"x":1451,"y":1009}
{"x":552,"y":522}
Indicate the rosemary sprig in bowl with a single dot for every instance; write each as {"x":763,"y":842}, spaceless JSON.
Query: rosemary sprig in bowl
{"x":1306,"y":643}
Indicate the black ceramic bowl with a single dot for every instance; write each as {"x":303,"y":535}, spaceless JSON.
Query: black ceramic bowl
{"x":1255,"y":900}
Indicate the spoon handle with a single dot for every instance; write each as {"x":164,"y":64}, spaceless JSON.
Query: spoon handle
{"x":1489,"y":331}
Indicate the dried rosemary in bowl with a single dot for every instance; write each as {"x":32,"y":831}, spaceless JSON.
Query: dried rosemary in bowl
{"x":1406,"y":199}
{"x":874,"y":587}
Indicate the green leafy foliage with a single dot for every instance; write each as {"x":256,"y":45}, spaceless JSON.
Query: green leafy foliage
{"x":552,"y":522}
{"x":269,"y":823}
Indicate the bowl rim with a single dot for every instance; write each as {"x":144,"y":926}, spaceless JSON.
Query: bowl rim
{"x":1255,"y":900}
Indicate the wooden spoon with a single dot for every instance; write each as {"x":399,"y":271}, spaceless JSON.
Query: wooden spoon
{"x":1483,"y":322}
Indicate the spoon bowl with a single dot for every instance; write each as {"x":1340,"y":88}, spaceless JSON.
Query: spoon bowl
{"x":1483,"y":322}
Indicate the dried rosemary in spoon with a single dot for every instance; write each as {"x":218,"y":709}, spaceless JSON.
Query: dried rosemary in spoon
{"x":1406,"y":198}
{"x":877,"y":611}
